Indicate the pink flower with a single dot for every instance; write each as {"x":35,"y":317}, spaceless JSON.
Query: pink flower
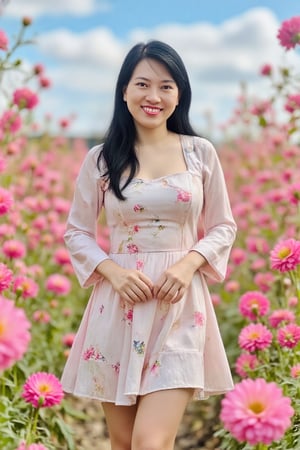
{"x":238,"y":255}
{"x":61,"y":256}
{"x":256,"y":412}
{"x":24,"y":98}
{"x":10,"y":121}
{"x":68,"y":339}
{"x":293,"y":103}
{"x":6,"y":277}
{"x":58,"y":284}
{"x":44,"y":82}
{"x":41,"y":316}
{"x":132,"y":248}
{"x":25,"y":286}
{"x":42,"y":389}
{"x":3,"y":41}
{"x":289,"y":33}
{"x":289,"y":335}
{"x":294,"y":193}
{"x":295,"y":371}
{"x":264,"y":281}
{"x":23,"y":446}
{"x":253,"y":304}
{"x":139,"y":264}
{"x":14,"y":334}
{"x":245,"y":364}
{"x":286,"y":255}
{"x":6,"y":201}
{"x":255,"y":337}
{"x":281,"y":315}
{"x":14,"y":249}
{"x":198,"y":319}
{"x":183,"y":196}
{"x":138,"y":208}
{"x":266,"y":70}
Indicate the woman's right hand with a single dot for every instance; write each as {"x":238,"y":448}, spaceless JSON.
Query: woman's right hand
{"x":132,"y":285}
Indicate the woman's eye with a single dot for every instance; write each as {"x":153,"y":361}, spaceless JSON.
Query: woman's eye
{"x":141,"y":84}
{"x":166,"y":87}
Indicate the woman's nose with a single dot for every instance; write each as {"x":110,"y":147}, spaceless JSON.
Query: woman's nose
{"x":153,"y":95}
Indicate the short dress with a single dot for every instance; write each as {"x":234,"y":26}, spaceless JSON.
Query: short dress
{"x":121,"y":351}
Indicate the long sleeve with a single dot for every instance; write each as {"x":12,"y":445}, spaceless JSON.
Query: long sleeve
{"x":216,"y":219}
{"x":81,"y":230}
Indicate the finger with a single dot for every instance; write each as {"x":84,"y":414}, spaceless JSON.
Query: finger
{"x":140,"y":293}
{"x":178,"y":296}
{"x":146,"y":280}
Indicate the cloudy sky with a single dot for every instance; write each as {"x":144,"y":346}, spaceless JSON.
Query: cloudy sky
{"x":82,"y":45}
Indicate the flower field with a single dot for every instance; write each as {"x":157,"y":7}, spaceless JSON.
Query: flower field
{"x":258,"y":305}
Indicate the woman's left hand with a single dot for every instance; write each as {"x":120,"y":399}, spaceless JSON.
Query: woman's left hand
{"x":173,"y":283}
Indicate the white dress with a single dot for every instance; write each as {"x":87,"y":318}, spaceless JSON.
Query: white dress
{"x":121,"y":352}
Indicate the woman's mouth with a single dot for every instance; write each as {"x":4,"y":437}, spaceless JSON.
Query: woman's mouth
{"x":151,"y":110}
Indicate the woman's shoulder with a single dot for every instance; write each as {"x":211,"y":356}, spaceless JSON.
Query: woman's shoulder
{"x":93,"y":162}
{"x":199,"y":149}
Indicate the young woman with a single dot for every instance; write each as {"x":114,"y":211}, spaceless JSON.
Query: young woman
{"x":149,"y":340}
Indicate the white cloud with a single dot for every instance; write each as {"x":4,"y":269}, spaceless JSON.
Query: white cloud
{"x":84,"y":66}
{"x":34,"y":8}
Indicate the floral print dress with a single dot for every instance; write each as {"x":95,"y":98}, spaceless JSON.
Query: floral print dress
{"x":120,"y":351}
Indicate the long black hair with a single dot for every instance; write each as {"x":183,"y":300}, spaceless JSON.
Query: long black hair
{"x":118,"y":148}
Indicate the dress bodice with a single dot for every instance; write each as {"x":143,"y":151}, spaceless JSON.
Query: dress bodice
{"x":157,"y":215}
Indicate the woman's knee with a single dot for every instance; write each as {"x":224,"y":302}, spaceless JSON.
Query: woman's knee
{"x":151,"y":441}
{"x":119,"y":443}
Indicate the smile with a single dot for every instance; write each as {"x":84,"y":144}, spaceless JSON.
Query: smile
{"x":151,"y":110}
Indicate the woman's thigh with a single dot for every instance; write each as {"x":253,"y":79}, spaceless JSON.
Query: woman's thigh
{"x":120,"y":422}
{"x":158,"y":417}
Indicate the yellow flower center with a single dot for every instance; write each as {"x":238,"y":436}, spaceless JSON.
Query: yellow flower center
{"x":44,"y":388}
{"x":256,"y":407}
{"x":254,"y":335}
{"x":3,"y":328}
{"x":284,"y":252}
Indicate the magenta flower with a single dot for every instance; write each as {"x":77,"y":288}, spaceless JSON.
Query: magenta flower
{"x":10,"y":121}
{"x":256,"y":412}
{"x":280,"y":316}
{"x":6,"y":277}
{"x":59,"y":284}
{"x":23,"y":446}
{"x":61,"y":256}
{"x":14,"y":249}
{"x":266,"y":70}
{"x":245,"y":363}
{"x":286,"y":255}
{"x":3,"y":41}
{"x":14,"y":333}
{"x":253,"y":304}
{"x":289,"y":336}
{"x":255,"y":337}
{"x":6,"y":201}
{"x":24,"y":98}
{"x":42,"y":389}
{"x":289,"y":33}
{"x":25,"y":286}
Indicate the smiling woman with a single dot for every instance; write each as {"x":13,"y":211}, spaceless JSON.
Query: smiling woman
{"x":149,"y":340}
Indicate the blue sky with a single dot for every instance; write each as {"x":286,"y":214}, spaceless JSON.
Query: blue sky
{"x":82,"y":44}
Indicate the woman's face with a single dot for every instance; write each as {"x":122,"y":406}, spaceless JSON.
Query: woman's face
{"x":151,"y":94}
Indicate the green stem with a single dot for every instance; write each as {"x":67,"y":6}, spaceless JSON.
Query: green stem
{"x":32,"y":424}
{"x":261,"y":446}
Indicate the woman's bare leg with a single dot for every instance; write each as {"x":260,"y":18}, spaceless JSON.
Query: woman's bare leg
{"x":120,"y":422}
{"x":157,"y":419}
